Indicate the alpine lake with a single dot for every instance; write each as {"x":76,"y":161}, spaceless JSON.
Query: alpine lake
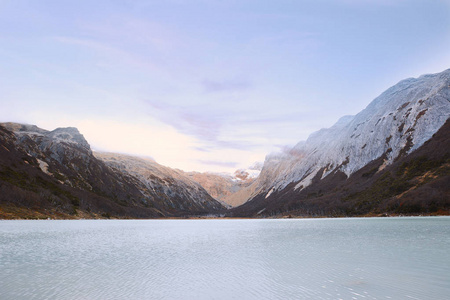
{"x":348,"y":258}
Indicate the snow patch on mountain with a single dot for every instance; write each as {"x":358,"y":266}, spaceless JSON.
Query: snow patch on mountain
{"x":43,"y":166}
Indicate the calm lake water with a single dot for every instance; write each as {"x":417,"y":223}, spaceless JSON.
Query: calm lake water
{"x":373,"y":258}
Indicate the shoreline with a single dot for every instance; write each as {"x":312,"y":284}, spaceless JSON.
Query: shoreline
{"x":20,"y":213}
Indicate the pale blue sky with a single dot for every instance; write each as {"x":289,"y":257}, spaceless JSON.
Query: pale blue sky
{"x":209,"y":85}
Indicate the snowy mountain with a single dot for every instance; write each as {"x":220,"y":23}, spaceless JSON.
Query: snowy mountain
{"x":393,"y":125}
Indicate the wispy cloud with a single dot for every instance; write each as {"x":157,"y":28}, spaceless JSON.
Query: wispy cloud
{"x":257,"y":166}
{"x":219,"y":163}
{"x":236,"y":144}
{"x":215,"y":129}
{"x":202,"y":149}
{"x":202,"y":124}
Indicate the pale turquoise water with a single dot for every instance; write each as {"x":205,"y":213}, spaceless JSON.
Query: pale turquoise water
{"x":376,"y":258}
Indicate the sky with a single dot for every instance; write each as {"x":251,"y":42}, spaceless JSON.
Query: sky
{"x":209,"y":85}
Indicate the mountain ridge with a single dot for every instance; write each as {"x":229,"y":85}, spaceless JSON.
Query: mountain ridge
{"x":363,"y":164}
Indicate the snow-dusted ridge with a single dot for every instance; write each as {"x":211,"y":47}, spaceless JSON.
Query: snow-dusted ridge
{"x":395,"y":123}
{"x":173,"y":185}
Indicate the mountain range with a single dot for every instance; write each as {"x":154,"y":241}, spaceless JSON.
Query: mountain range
{"x":391,"y":158}
{"x":56,"y":174}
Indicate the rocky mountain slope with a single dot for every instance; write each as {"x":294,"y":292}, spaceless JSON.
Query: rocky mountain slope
{"x":395,"y":124}
{"x":171,"y":188}
{"x":58,"y":170}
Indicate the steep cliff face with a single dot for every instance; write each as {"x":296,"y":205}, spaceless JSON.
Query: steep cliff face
{"x":170,"y":188}
{"x":395,"y":124}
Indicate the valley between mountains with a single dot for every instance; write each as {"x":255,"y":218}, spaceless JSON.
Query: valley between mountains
{"x":391,"y":158}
